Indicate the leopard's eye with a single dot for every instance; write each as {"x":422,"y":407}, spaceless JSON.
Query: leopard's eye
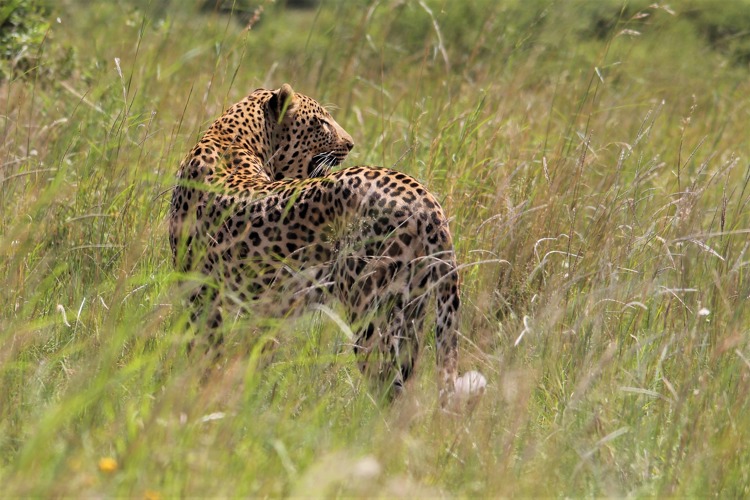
{"x":325,"y":125}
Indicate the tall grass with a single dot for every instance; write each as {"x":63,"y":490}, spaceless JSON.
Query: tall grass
{"x":598,"y":190}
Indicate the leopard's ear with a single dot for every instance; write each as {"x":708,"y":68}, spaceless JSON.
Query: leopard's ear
{"x":282,"y":102}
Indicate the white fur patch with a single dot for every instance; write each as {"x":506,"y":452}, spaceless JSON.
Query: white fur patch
{"x":470,"y":385}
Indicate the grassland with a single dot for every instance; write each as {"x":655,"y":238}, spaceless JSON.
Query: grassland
{"x":598,"y":189}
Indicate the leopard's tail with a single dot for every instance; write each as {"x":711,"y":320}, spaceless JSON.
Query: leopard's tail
{"x":447,"y":303}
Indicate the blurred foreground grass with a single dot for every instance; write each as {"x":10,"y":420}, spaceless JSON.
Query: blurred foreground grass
{"x":592,"y":156}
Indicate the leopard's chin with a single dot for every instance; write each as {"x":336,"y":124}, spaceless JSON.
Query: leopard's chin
{"x":322,"y":163}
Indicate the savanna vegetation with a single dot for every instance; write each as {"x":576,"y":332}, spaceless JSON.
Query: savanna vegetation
{"x":593,"y":157}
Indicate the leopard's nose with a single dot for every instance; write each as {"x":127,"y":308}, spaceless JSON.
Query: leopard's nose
{"x":349,"y":145}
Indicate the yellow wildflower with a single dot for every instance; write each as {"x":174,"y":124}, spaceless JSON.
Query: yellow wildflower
{"x":107,"y":465}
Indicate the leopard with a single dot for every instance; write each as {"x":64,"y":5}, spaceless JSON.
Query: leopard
{"x":260,"y":214}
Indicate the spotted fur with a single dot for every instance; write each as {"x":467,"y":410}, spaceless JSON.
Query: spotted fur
{"x":257,"y":211}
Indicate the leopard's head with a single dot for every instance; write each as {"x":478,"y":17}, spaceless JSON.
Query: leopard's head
{"x":306,"y":139}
